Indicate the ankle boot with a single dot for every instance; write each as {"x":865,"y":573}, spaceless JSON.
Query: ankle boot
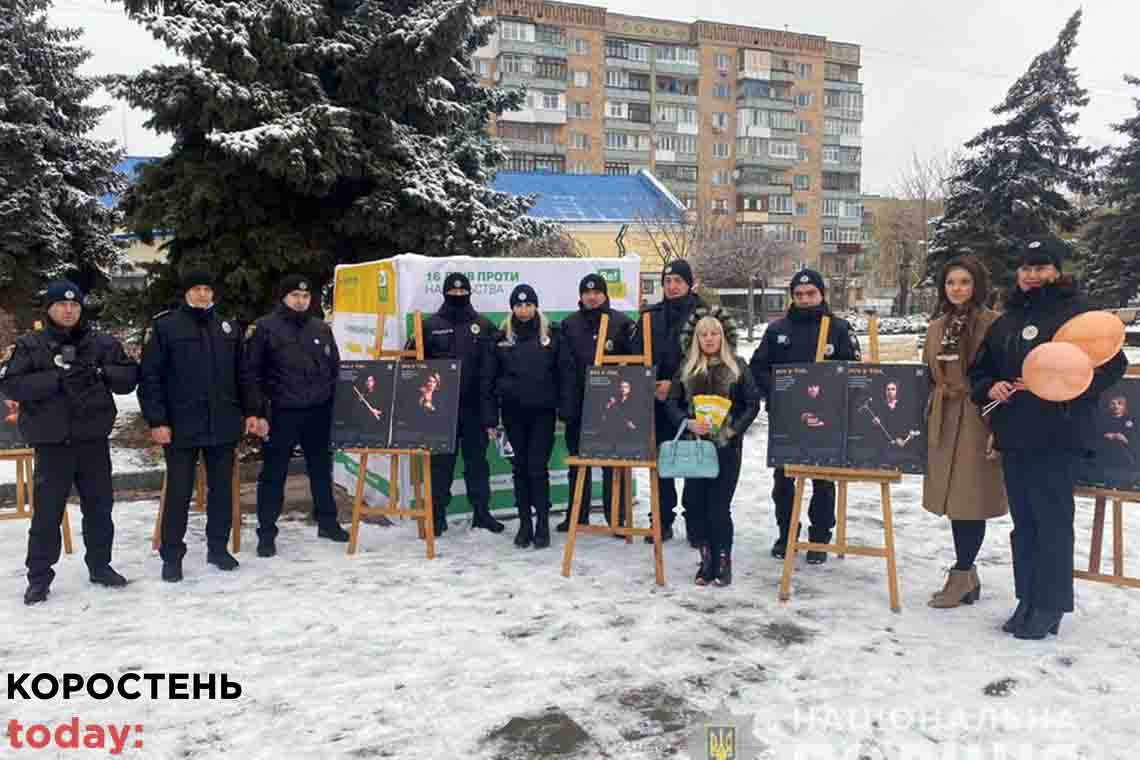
{"x":484,"y":519}
{"x":542,"y":529}
{"x":780,"y":547}
{"x":1017,"y":618}
{"x":1039,"y":623}
{"x":706,"y":570}
{"x":723,"y":568}
{"x":526,"y":529}
{"x":962,"y":587}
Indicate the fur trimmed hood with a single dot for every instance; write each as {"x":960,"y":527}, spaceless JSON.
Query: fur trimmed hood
{"x":722,"y":315}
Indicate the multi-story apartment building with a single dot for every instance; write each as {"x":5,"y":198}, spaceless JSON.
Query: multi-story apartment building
{"x":746,"y":126}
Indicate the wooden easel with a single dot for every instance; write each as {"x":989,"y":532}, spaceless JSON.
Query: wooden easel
{"x":25,"y":492}
{"x":1101,"y":496}
{"x":623,"y":472}
{"x":200,"y":490}
{"x":842,"y":477}
{"x":421,"y":481}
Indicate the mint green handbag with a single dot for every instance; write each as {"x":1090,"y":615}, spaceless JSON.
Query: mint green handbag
{"x":687,"y":459}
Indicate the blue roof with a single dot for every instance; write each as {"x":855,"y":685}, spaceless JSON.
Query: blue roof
{"x":129,"y":168}
{"x":593,"y":198}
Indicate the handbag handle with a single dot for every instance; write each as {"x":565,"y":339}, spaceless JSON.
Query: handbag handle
{"x":681,"y":430}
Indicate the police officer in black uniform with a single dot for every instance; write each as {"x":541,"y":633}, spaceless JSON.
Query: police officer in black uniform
{"x":63,"y":377}
{"x":793,"y":339}
{"x":579,"y":342}
{"x":191,"y":398}
{"x":668,"y":318}
{"x":290,"y":367}
{"x":457,"y":331}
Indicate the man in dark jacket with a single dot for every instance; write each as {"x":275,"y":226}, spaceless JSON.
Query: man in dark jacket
{"x":457,"y":331}
{"x":790,"y":340}
{"x":1041,"y":442}
{"x":191,"y":398}
{"x":63,"y":377}
{"x":667,"y":318}
{"x":290,"y":366}
{"x":579,"y":343}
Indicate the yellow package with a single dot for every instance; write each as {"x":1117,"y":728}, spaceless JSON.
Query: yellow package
{"x":711,"y":409}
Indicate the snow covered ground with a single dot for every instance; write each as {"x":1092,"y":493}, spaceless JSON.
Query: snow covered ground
{"x":487,"y":652}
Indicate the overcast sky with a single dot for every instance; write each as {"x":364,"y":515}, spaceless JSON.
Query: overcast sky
{"x":931,"y":71}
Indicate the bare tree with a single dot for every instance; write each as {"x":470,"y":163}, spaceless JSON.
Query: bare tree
{"x":560,"y":245}
{"x":680,"y":238}
{"x":733,"y":261}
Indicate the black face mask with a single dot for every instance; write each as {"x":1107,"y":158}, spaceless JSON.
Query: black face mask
{"x":524,"y":329}
{"x":199,"y":313}
{"x":297,"y":318}
{"x":809,"y":313}
{"x":457,"y":303}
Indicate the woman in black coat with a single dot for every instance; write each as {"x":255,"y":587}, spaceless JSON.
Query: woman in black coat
{"x":529,"y":389}
{"x":1041,"y":441}
{"x":711,"y":367}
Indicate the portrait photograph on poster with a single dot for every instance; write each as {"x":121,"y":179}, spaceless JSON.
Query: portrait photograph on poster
{"x":9,"y":430}
{"x":362,"y":405}
{"x":1115,"y":462}
{"x":425,"y":411}
{"x":807,"y":414}
{"x":886,"y":417}
{"x":617,"y":413}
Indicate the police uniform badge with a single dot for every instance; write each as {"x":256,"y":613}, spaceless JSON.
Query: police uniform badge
{"x":522,"y":296}
{"x":1035,"y":244}
{"x":302,"y":285}
{"x":545,"y":341}
{"x":609,"y":345}
{"x":249,"y":331}
{"x":590,"y":285}
{"x":69,"y":295}
{"x":782,"y":340}
{"x":457,"y":284}
{"x":226,"y":328}
{"x":474,"y":329}
{"x":328,"y":350}
{"x":829,"y":350}
{"x":805,"y":279}
{"x":1030,"y":332}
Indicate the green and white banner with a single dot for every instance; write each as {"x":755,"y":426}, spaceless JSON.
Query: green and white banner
{"x":386,"y":294}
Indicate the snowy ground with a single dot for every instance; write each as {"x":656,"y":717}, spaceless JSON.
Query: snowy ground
{"x":389,"y":655}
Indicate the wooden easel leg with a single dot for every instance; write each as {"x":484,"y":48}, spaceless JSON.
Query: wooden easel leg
{"x":629,"y":503}
{"x":842,"y":516}
{"x":418,"y":495}
{"x":394,"y":481}
{"x":655,"y":511}
{"x":793,"y":542}
{"x":1118,"y":538}
{"x":621,"y":478}
{"x":235,"y":491}
{"x":357,"y":501}
{"x":156,"y":539}
{"x":22,"y":505}
{"x":575,"y":510}
{"x":67,"y":546}
{"x":1097,"y":536}
{"x":889,"y":536}
{"x":429,"y":507}
{"x":200,"y":487}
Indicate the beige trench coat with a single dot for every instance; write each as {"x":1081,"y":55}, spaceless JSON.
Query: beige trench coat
{"x":961,"y":482}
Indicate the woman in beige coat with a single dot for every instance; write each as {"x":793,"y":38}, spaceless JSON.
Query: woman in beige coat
{"x":964,"y":478}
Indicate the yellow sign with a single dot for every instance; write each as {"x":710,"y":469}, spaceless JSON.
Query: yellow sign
{"x":366,"y":288}
{"x":721,"y":742}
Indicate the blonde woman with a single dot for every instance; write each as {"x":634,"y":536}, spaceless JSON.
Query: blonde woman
{"x":711,"y":367}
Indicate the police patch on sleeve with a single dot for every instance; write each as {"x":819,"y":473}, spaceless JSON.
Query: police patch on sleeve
{"x":226,"y":328}
{"x":1035,"y":244}
{"x":805,"y":278}
{"x":829,"y":350}
{"x":609,"y":345}
{"x":545,"y":340}
{"x":782,"y":340}
{"x":1030,"y":332}
{"x":474,"y":329}
{"x":249,"y":331}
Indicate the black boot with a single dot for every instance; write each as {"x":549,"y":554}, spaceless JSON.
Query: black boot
{"x":1039,"y":623}
{"x":706,"y":570}
{"x":526,"y":529}
{"x":332,"y":531}
{"x":484,"y":519}
{"x":666,"y":534}
{"x":266,"y":547}
{"x":780,"y":547}
{"x":542,"y":529}
{"x":723,"y":569}
{"x":221,"y":559}
{"x":583,"y":519}
{"x":1017,"y":618}
{"x":172,"y":570}
{"x":37,"y":592}
{"x":106,"y":576}
{"x":440,"y":522}
{"x":818,"y":537}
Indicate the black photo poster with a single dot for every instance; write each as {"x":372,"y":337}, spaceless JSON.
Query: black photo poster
{"x":886,"y":417}
{"x":362,"y":408}
{"x":807,"y":414}
{"x":425,"y":413}
{"x":9,"y":432}
{"x":1115,"y":462}
{"x":617,"y":413}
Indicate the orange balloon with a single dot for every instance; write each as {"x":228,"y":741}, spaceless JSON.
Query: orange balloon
{"x":1057,"y":371}
{"x":1100,"y":334}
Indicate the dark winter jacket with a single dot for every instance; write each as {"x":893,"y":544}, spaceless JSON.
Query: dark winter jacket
{"x":718,"y":381}
{"x":793,"y":340}
{"x":525,"y":369}
{"x":64,"y":405}
{"x":668,"y":318}
{"x":579,"y":344}
{"x":191,"y":369}
{"x":466,"y":335}
{"x":1029,"y":422}
{"x":291,"y":362}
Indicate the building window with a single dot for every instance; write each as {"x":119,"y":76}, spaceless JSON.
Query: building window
{"x":581,"y":46}
{"x":721,"y":91}
{"x":804,"y":156}
{"x":550,"y":35}
{"x":615,"y":78}
{"x":720,"y":120}
{"x":678,"y":143}
{"x":722,"y":177}
{"x":638,"y":112}
{"x":677,"y":172}
{"x":617,"y":169}
{"x":804,"y":71}
{"x":801,"y":236}
{"x":803,"y":126}
{"x":801,"y":208}
{"x":780,"y":204}
{"x":719,"y":206}
{"x":783,"y":149}
{"x":581,"y":79}
{"x":830,"y":154}
{"x":677,"y":54}
{"x":526,"y":162}
{"x":723,"y":61}
{"x":840,"y":127}
{"x":517,"y":64}
{"x":804,"y":99}
{"x":551,"y":101}
{"x":638,"y":82}
{"x":550,"y":68}
{"x":616,"y":110}
{"x":516,"y":30}
{"x":721,"y":150}
{"x":801,"y":182}
{"x":482,"y":67}
{"x":580,"y":167}
{"x":579,"y":141}
{"x":616,"y":140}
{"x":579,"y":110}
{"x":639,"y":53}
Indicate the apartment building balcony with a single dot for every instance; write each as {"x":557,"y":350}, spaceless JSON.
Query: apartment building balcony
{"x":628,"y":64}
{"x":626,"y":125}
{"x":679,"y":186}
{"x":755,"y":130}
{"x":752,"y":217}
{"x":756,"y":101}
{"x":746,"y":160}
{"x":543,"y":49}
{"x":851,"y":141}
{"x":675,"y":128}
{"x":844,"y":167}
{"x":538,"y":149}
{"x":749,"y":186}
{"x":846,"y":221}
{"x":766,"y":75}
{"x":665,"y":96}
{"x":673,"y":67}
{"x":534,"y":116}
{"x":843,"y":84}
{"x":530,"y":82}
{"x":628,"y":95}
{"x":673,"y":157}
{"x":619,"y":154}
{"x":851,"y":114}
{"x":848,"y":195}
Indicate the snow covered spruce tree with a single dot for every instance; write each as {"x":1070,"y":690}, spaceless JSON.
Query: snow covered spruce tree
{"x":310,"y":133}
{"x":1017,"y":175}
{"x":51,"y":176}
{"x":1112,"y":267}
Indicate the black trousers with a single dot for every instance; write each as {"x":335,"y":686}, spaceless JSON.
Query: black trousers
{"x":472,"y":443}
{"x":821,"y":510}
{"x":709,"y":500}
{"x":1039,"y":484}
{"x":531,"y":434}
{"x":181,"y":468}
{"x":287,"y":427}
{"x":87,"y":465}
{"x":573,"y":442}
{"x":667,"y":487}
